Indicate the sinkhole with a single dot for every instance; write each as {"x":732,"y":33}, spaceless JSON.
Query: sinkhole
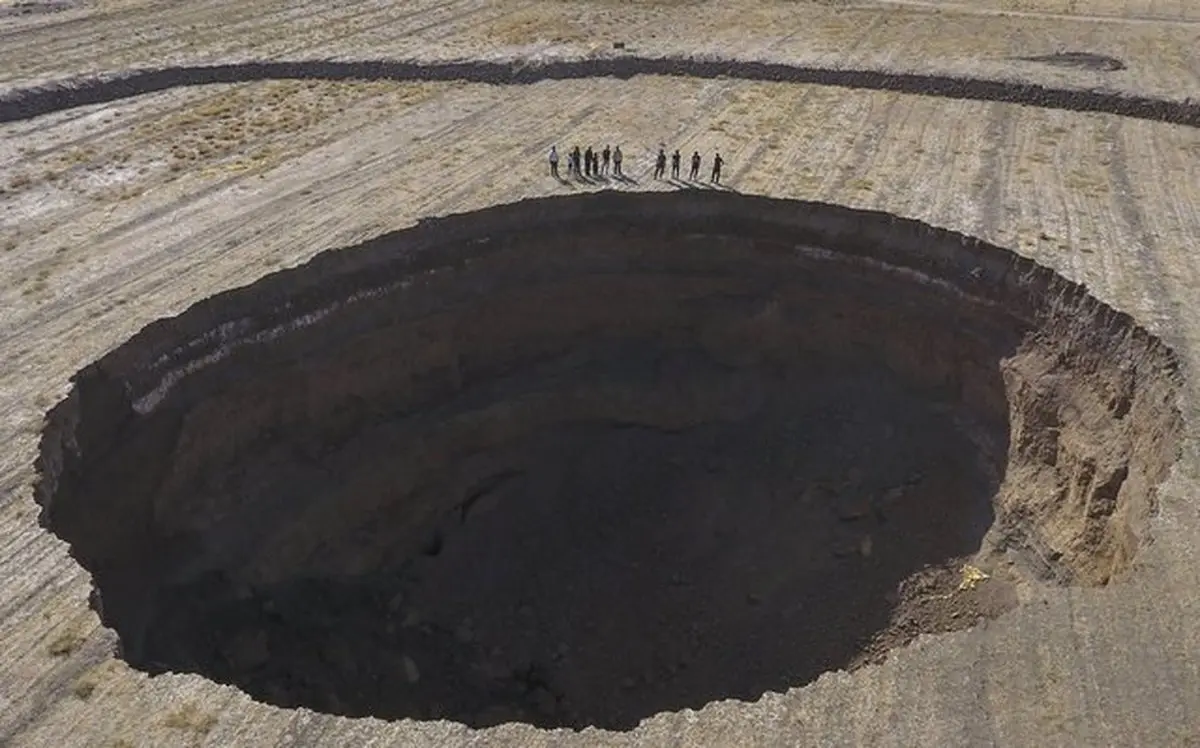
{"x":575,"y":461}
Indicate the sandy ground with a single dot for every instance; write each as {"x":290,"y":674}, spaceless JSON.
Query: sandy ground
{"x":114,"y":215}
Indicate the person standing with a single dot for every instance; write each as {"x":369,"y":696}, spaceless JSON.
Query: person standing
{"x":576,"y":158}
{"x":716,"y":171}
{"x":660,"y":163}
{"x":605,"y":155}
{"x":617,"y":157}
{"x":694,"y":174}
{"x":675,"y":164}
{"x":554,"y":161}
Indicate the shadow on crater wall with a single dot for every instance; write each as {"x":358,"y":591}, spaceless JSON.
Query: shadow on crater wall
{"x":574,"y":461}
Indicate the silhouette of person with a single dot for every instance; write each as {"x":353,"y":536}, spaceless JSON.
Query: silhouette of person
{"x":660,"y":164}
{"x":588,"y":161}
{"x":617,"y":157}
{"x":694,"y":174}
{"x":716,"y":170}
{"x":575,"y":159}
{"x":554,"y":161}
{"x":675,"y":164}
{"x":605,"y":155}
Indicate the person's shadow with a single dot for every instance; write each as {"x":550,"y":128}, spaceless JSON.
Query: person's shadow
{"x":696,"y":184}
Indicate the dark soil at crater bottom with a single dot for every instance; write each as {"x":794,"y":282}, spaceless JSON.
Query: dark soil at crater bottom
{"x":619,"y":572}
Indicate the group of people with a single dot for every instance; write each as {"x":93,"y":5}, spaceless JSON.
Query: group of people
{"x":592,"y":163}
{"x":660,"y":165}
{"x":588,"y":163}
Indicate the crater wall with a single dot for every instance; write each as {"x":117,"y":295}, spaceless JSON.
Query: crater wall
{"x":645,"y":384}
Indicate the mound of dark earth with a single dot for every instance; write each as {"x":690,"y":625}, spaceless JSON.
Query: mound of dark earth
{"x":575,"y":461}
{"x":1081,"y":60}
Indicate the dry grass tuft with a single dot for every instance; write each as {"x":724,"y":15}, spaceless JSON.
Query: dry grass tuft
{"x":85,"y":686}
{"x":189,"y":717}
{"x":65,"y":643}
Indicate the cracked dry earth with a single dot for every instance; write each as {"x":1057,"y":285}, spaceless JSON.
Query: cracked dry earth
{"x":778,"y":465}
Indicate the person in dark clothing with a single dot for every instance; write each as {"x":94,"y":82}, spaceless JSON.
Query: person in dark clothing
{"x":576,"y":158}
{"x":554,"y":161}
{"x":675,"y":164}
{"x":694,"y":174}
{"x":660,"y":164}
{"x":587,"y":161}
{"x":716,"y":172}
{"x":605,"y":155}
{"x":616,"y":156}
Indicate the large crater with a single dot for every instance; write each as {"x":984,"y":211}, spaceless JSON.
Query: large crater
{"x":578,"y":460}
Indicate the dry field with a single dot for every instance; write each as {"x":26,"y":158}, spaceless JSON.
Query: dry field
{"x":113,"y":215}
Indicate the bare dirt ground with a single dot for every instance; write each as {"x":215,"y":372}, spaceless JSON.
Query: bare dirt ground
{"x":114,"y":215}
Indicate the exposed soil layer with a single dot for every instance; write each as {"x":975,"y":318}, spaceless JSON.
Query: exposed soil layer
{"x":578,"y":460}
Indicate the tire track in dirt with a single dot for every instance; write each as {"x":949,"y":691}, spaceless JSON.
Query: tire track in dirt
{"x":28,"y":103}
{"x":100,"y":286}
{"x":865,"y":145}
{"x":350,"y":15}
{"x":128,"y":122}
{"x":141,"y":276}
{"x":125,"y":123}
{"x":23,"y":104}
{"x":58,"y":24}
{"x":172,"y":255}
{"x":962,"y":9}
{"x":176,"y":24}
{"x":158,"y":114}
{"x":994,"y":170}
{"x":758,"y":151}
{"x":1144,"y":246}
